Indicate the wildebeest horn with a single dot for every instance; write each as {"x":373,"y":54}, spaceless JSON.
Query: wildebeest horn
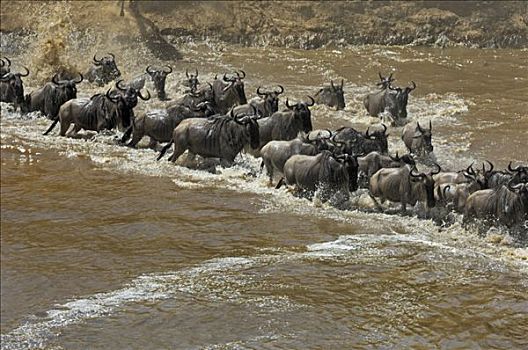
{"x":281,"y":90}
{"x":110,"y":97}
{"x":148,"y":69}
{"x":228,"y":86}
{"x":113,"y":57}
{"x":381,"y":77}
{"x":484,"y":168}
{"x":225,"y":77}
{"x":329,"y":134}
{"x":96,"y":60}
{"x":413,"y":87}
{"x":142,"y":97}
{"x":342,"y":82}
{"x":260,"y":93}
{"x":8,"y":61}
{"x":2,"y":63}
{"x":430,"y":126}
{"x":210,"y":85}
{"x":516,"y":169}
{"x":367,"y":132}
{"x":54,"y":79}
{"x":287,"y":105}
{"x":187,"y":73}
{"x":195,"y":69}
{"x":24,"y":75}
{"x":514,"y":188}
{"x":439,"y":169}
{"x":384,"y":127}
{"x":413,"y":175}
{"x":118,"y":85}
{"x":244,"y":74}
{"x":390,"y":78}
{"x":332,"y":84}
{"x":81,"y":79}
{"x":313,"y":101}
{"x":447,"y":187}
{"x":396,"y":159}
{"x":419,"y":127}
{"x":170,"y":70}
{"x":470,"y":169}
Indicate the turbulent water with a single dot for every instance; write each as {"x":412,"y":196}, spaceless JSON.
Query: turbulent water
{"x":103,"y":247}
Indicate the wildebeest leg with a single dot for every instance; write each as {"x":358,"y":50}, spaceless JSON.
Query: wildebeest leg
{"x":152,"y":144}
{"x":378,"y":205}
{"x":74,"y":131}
{"x":64,"y":127}
{"x":178,"y":151}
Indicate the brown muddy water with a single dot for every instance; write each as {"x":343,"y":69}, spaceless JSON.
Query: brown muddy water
{"x":105,"y":248}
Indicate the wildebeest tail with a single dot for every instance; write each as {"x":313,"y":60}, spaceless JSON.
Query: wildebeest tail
{"x":52,"y":126}
{"x":164,"y":149}
{"x":280,"y":183}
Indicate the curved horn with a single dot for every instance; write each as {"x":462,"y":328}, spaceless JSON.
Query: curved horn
{"x":8,"y":61}
{"x":367,"y":132}
{"x":396,"y":159}
{"x":244,"y":74}
{"x":225,"y":77}
{"x":170,"y":70}
{"x":142,"y":97}
{"x":470,"y":169}
{"x":148,"y":69}
{"x":196,"y":72}
{"x":491,"y":167}
{"x":54,"y":79}
{"x":110,"y":97}
{"x":430,"y":126}
{"x":27,"y":72}
{"x":439,"y":169}
{"x":516,"y":169}
{"x":313,"y":101}
{"x":187,"y":73}
{"x":96,"y":60}
{"x":287,"y":105}
{"x":413,"y":87}
{"x":329,"y":135}
{"x":384,"y":128}
{"x":118,"y":85}
{"x":413,"y":175}
{"x":381,"y":77}
{"x":332,"y":84}
{"x":342,"y":82}
{"x":281,"y":90}
{"x":260,"y":93}
{"x":447,"y":187}
{"x":390,"y":78}
{"x":113,"y":57}
{"x":81,"y":79}
{"x":419,"y":127}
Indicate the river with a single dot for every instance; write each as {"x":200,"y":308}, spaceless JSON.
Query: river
{"x":103,"y":247}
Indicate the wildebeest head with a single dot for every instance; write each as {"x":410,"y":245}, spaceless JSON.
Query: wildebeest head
{"x":109,"y":67}
{"x":192,"y":80}
{"x":522,"y":190}
{"x":396,"y":100}
{"x":15,"y":81}
{"x":477,"y":177}
{"x":380,"y":137}
{"x":251,"y":125}
{"x":271,"y":99}
{"x":302,"y":112}
{"x":425,"y":136}
{"x":67,"y":87}
{"x":332,"y":96}
{"x":126,"y":100}
{"x":205,"y":107}
{"x":237,"y":85}
{"x":520,"y":173}
{"x":405,"y":159}
{"x":159,"y":77}
{"x":385,"y":82}
{"x":428,"y":182}
{"x":5,"y":63}
{"x":351,"y":165}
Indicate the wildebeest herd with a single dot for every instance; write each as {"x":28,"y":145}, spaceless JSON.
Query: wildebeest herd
{"x":216,"y":120}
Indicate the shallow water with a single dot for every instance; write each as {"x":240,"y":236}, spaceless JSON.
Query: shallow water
{"x":104,"y":247}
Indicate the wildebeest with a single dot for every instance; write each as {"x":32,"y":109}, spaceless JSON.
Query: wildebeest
{"x":51,"y":96}
{"x":498,"y":178}
{"x":12,"y":88}
{"x":355,"y":142}
{"x":285,"y":125}
{"x":158,"y":78}
{"x":394,"y":100}
{"x":331,"y":96}
{"x":403,"y":185}
{"x":229,"y":92}
{"x":192,"y":81}
{"x":275,"y":153}
{"x":103,"y":71}
{"x":100,"y":112}
{"x":267,"y":103}
{"x":5,"y":65}
{"x":325,"y":173}
{"x":417,"y":139}
{"x":507,"y":205}
{"x":217,"y":137}
{"x":159,"y":124}
{"x":374,"y":161}
{"x":204,"y":94}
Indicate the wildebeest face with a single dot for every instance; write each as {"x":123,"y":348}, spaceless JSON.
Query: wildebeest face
{"x":158,"y":78}
{"x":337,"y":96}
{"x":302,"y":112}
{"x":192,"y":80}
{"x":271,"y":99}
{"x":397,"y":100}
{"x":428,"y":183}
{"x":109,"y":66}
{"x":236,"y":83}
{"x":15,"y":82}
{"x":425,"y":135}
{"x":381,"y":137}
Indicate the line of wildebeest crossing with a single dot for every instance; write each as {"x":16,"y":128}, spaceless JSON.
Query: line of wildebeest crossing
{"x":215,"y":120}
